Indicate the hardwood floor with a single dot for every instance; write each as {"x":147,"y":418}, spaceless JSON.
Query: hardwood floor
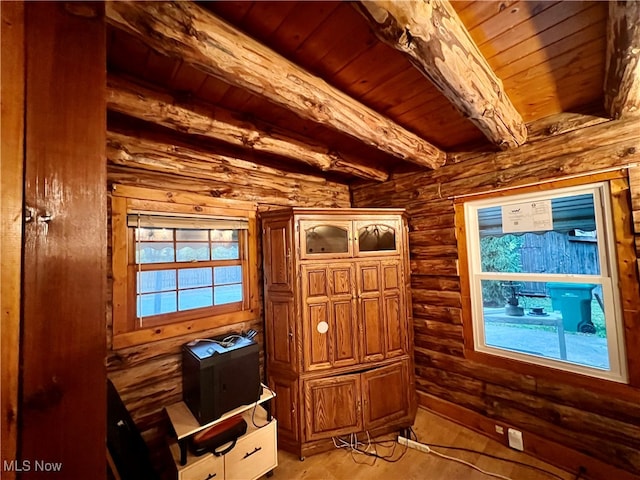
{"x":339,"y":464}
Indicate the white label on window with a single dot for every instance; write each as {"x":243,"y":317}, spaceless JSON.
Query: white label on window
{"x":527,"y":217}
{"x":322,"y":327}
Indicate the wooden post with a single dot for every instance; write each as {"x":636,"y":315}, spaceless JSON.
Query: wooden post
{"x":63,"y":376}
{"x":12,"y":124}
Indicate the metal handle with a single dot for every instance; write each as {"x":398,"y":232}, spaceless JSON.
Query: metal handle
{"x":255,"y":450}
{"x":31,"y":214}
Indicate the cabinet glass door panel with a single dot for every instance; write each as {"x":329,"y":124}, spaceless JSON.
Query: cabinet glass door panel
{"x":377,"y":238}
{"x":325,"y":238}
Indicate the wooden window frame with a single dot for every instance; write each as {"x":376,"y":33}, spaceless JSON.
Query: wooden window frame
{"x":628,"y":285}
{"x":127,"y":199}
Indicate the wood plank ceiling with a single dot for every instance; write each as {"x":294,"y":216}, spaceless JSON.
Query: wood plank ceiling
{"x":549,"y":56}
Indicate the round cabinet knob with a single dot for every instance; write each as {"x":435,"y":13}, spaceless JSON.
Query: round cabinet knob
{"x":322,"y":327}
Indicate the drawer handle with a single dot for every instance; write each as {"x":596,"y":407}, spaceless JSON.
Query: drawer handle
{"x":255,"y":450}
{"x":211,"y":475}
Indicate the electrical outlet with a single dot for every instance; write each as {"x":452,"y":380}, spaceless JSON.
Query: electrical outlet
{"x":499,"y":429}
{"x":515,"y":439}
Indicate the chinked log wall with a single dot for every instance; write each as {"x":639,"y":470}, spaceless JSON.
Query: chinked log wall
{"x":600,"y":425}
{"x":148,"y":377}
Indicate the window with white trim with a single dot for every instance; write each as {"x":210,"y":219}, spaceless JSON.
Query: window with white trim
{"x":181,"y":266}
{"x":543,"y":280}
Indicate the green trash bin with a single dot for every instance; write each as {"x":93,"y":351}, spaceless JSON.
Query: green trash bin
{"x":574,"y":302}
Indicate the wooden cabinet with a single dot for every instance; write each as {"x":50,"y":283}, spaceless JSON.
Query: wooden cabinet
{"x":338,"y":323}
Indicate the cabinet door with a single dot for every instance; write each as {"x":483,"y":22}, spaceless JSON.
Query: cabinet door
{"x":394,"y":312}
{"x":326,"y":238}
{"x":378,"y":236}
{"x":370,"y":310}
{"x":329,"y":323}
{"x":286,"y":407}
{"x":280,"y":332}
{"x":332,"y":406}
{"x":278,"y":269}
{"x":385,"y":394}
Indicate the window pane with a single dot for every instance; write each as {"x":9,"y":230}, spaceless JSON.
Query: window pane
{"x":194,"y":277}
{"x":156,"y":303}
{"x":154,"y":234}
{"x":189,"y":252}
{"x":196,"y":298}
{"x":154,"y":252}
{"x":225,"y":251}
{"x":192,"y":235}
{"x":156,"y":281}
{"x":566,"y":322}
{"x":569,"y":246}
{"x":225,"y":275}
{"x":501,"y":254}
{"x":224,"y":235}
{"x":228,"y":294}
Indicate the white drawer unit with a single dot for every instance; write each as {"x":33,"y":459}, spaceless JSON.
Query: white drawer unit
{"x":206,"y":468}
{"x":253,"y":455}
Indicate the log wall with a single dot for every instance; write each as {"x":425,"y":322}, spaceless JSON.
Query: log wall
{"x":148,"y":377}
{"x":596,"y":423}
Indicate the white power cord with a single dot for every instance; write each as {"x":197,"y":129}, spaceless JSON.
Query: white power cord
{"x":426,"y":449}
{"x":475,"y":467}
{"x":355,"y":445}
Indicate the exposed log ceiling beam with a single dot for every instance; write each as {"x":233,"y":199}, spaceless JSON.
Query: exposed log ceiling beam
{"x":163,"y":109}
{"x":187,"y":31}
{"x":622,"y":77}
{"x":431,"y":34}
{"x":161,"y":153}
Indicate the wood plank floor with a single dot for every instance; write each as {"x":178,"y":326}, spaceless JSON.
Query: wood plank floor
{"x":339,"y":464}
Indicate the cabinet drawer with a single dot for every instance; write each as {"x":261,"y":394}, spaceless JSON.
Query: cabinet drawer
{"x":254,"y":454}
{"x":205,"y":468}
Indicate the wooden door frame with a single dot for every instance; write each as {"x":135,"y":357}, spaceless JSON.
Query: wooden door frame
{"x":62,"y":384}
{"x":11,"y":175}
